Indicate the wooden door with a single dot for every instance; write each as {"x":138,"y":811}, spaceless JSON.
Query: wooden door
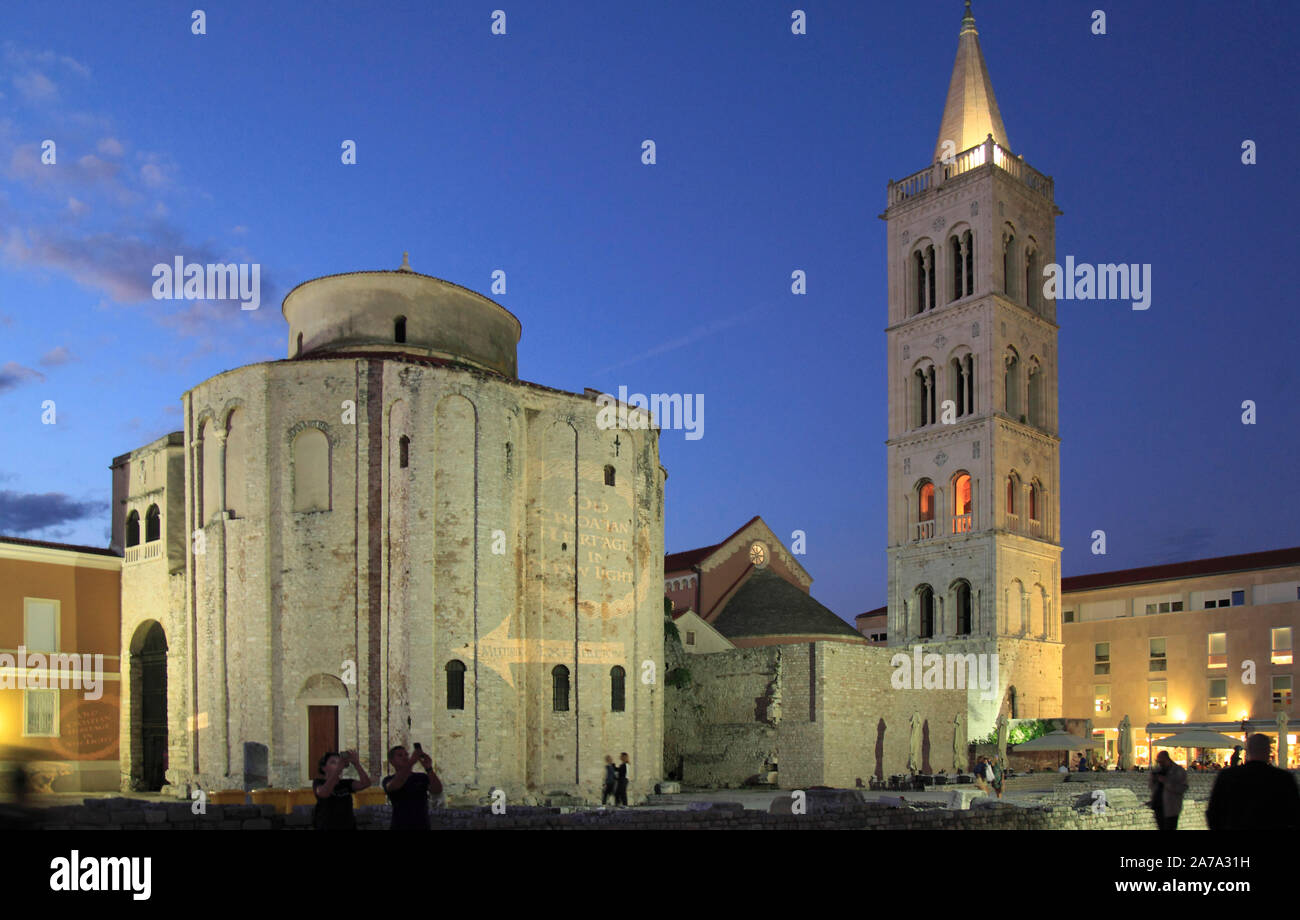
{"x":322,"y":735}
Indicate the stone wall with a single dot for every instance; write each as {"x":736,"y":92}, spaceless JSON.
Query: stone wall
{"x":824,"y":713}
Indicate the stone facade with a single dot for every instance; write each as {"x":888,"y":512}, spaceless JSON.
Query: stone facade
{"x":815,"y":714}
{"x":973,"y":453}
{"x":386,"y":517}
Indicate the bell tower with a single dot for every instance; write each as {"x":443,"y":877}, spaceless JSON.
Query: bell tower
{"x":974,"y":474}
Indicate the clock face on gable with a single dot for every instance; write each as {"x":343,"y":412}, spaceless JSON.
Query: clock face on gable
{"x":758,"y":554}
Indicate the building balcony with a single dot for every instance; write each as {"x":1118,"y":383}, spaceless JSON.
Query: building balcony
{"x":924,"y":530}
{"x":143,"y":553}
{"x":968,"y":160}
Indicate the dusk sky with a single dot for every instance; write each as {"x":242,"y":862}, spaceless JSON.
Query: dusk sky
{"x":522,"y":152}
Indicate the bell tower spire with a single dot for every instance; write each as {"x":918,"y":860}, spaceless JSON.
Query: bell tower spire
{"x":971,"y":112}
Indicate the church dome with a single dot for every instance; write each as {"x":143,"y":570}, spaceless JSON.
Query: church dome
{"x":402,"y":311}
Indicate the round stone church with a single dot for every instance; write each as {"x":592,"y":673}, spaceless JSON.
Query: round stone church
{"x":389,"y":538}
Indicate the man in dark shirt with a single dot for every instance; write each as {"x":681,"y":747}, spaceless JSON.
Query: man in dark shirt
{"x":620,"y":780}
{"x":333,"y":810}
{"x":409,"y":791}
{"x":1255,"y":796}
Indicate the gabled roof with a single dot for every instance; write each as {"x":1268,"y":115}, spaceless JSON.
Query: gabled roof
{"x":971,"y":112}
{"x":678,"y":562}
{"x":768,"y":605}
{"x":1219,"y":565}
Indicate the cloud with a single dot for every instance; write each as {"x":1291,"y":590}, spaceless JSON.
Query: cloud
{"x":110,"y":147}
{"x":57,"y":356}
{"x":36,"y":87}
{"x":14,"y":375}
{"x":25,"y":512}
{"x":76,"y":208}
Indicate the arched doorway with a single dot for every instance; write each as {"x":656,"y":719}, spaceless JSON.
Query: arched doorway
{"x":149,"y":706}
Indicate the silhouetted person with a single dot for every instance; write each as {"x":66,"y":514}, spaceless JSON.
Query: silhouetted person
{"x":620,"y":789}
{"x":1168,"y":783}
{"x":611,"y":781}
{"x":333,"y":810}
{"x":408,"y":791}
{"x":1255,"y":796}
{"x":1236,"y":757}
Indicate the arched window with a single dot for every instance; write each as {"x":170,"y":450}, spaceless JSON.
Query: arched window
{"x":1008,"y":262}
{"x":311,"y":471}
{"x":237,"y":466}
{"x":1033,"y":283}
{"x":958,"y":263}
{"x":455,"y":684}
{"x":923,"y":396}
{"x":399,"y":330}
{"x":925,"y":510}
{"x":968,"y":248}
{"x":133,"y":529}
{"x":962,"y":505}
{"x":1033,"y":501}
{"x":609,"y":475}
{"x":1035,"y":414}
{"x":560,"y":688}
{"x":925,"y":611}
{"x":152,"y":524}
{"x":924,"y":278}
{"x":1011,"y":383}
{"x":961,"y":598}
{"x":617,"y":689}
{"x":1013,"y":493}
{"x":961,"y":383}
{"x":404,"y":452}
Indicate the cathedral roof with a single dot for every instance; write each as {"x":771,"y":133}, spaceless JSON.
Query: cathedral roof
{"x":767,"y":605}
{"x":971,"y":113}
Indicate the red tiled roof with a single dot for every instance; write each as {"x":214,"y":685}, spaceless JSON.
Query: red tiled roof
{"x":70,"y":547}
{"x":1219,"y":565}
{"x":879,"y":611}
{"x":676,"y":562}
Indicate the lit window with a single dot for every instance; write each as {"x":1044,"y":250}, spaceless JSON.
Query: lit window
{"x":1157,"y":698}
{"x":1218,"y":650}
{"x":1101,"y":699}
{"x":1282,"y":693}
{"x":1281,"y":645}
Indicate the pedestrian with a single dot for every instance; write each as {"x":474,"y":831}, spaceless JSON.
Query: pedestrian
{"x":1236,"y":757}
{"x":611,"y":781}
{"x":1168,"y":783}
{"x":1255,"y":795}
{"x":333,"y":810}
{"x":408,"y":791}
{"x":620,"y":780}
{"x":995,"y":775}
{"x":981,"y":774}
